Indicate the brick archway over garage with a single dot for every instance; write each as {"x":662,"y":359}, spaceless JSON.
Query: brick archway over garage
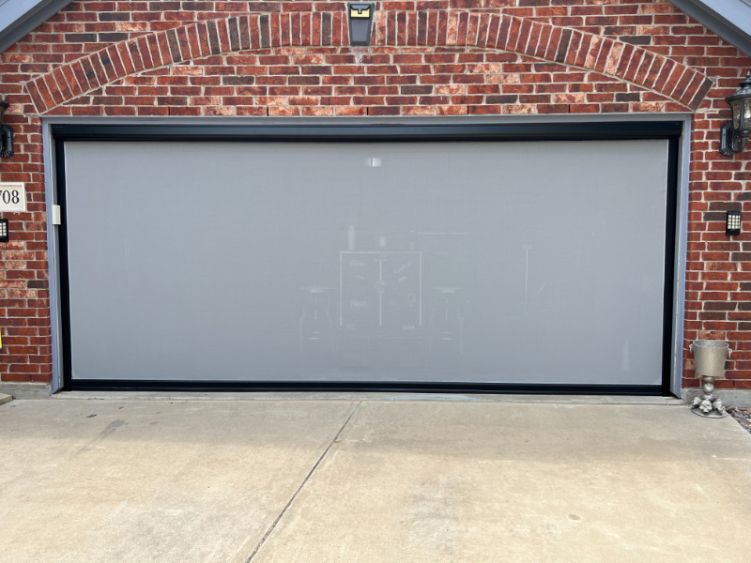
{"x":430,"y":28}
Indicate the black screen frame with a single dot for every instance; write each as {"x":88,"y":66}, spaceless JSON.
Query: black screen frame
{"x":393,"y":132}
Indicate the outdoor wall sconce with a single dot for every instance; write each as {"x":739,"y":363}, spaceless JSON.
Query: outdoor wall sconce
{"x":360,"y":22}
{"x":709,"y":364}
{"x":3,"y":230}
{"x":734,"y":133}
{"x":733,"y":222}
{"x":6,"y":133}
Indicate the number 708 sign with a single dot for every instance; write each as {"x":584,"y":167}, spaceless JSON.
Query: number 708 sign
{"x":12,"y":197}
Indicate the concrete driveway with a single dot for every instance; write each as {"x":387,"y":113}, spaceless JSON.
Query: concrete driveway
{"x":138,"y":477}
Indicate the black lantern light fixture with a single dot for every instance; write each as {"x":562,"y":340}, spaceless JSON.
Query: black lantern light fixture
{"x":735,"y":133}
{"x":6,"y":133}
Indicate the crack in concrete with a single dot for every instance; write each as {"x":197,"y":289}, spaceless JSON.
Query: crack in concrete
{"x":313,"y":469}
{"x":111,"y":427}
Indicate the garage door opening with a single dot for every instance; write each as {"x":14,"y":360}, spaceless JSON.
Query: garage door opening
{"x":537,"y":258}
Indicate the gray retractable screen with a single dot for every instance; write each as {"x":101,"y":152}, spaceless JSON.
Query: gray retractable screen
{"x":450,"y":262}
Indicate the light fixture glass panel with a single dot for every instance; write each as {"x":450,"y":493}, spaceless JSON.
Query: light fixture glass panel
{"x":737,"y":110}
{"x":746,"y":125}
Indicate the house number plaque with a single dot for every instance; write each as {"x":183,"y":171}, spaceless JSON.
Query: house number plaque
{"x":12,"y":197}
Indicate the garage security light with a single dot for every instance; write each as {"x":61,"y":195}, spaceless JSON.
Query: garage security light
{"x":360,"y":20}
{"x":733,"y":222}
{"x":734,"y":133}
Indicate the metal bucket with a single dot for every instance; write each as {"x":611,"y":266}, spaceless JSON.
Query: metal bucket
{"x":710,"y":357}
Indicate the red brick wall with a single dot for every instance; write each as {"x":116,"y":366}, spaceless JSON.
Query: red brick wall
{"x":442,"y":57}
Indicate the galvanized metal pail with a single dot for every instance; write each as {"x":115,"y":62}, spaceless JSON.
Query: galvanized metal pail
{"x":710,"y":357}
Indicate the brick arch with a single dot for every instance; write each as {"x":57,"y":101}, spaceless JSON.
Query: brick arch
{"x":429,"y":28}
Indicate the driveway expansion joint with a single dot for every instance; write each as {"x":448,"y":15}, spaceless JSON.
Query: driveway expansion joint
{"x":310,"y":473}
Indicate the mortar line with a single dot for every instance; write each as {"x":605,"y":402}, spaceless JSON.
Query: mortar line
{"x":302,"y":484}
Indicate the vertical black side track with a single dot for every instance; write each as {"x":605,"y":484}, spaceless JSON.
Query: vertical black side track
{"x":671,"y":211}
{"x":62,"y":238}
